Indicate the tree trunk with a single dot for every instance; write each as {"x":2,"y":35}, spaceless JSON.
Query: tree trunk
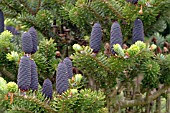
{"x":158,"y":104}
{"x":168,"y":101}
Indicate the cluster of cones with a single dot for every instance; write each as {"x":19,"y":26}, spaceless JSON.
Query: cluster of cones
{"x":115,"y":36}
{"x":64,"y":72}
{"x":27,"y":73}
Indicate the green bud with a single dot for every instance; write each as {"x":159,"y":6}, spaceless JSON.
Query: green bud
{"x":162,"y":57}
{"x":12,"y":87}
{"x":74,"y":91}
{"x":141,"y":45}
{"x":86,"y":37}
{"x":78,"y":78}
{"x":3,"y":86}
{"x":133,"y":50}
{"x":2,"y":81}
{"x":13,"y":56}
{"x":118,"y":49}
{"x":153,"y":47}
{"x":77,"y":47}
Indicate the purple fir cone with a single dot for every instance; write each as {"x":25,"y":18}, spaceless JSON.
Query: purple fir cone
{"x":96,"y":37}
{"x":62,"y":78}
{"x":33,"y":33}
{"x":34,"y":76}
{"x":47,"y":89}
{"x":115,"y":36}
{"x":1,"y":21}
{"x":69,"y":65}
{"x":133,"y":1}
{"x":27,"y":45}
{"x":138,"y":31}
{"x":24,"y":74}
{"x":12,"y":30}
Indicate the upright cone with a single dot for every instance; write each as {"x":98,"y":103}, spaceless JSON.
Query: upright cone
{"x":33,"y":33}
{"x":62,"y":78}
{"x":1,"y":21}
{"x":115,"y":36}
{"x":34,"y":76}
{"x":68,"y":63}
{"x":132,"y":1}
{"x":47,"y":89}
{"x":96,"y":37}
{"x":27,"y":44}
{"x":24,"y":74}
{"x":138,"y":31}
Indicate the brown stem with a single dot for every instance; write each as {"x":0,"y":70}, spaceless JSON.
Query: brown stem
{"x":142,"y":101}
{"x":38,"y":7}
{"x":168,"y":101}
{"x":9,"y":6}
{"x":6,"y":73}
{"x":158,"y":105}
{"x":147,"y":108}
{"x":119,"y":87}
{"x":26,"y":7}
{"x":113,"y":10}
{"x":148,"y":105}
{"x":92,"y":83}
{"x":37,"y":102}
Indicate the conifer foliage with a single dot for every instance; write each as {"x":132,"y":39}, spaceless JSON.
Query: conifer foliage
{"x":122,"y":82}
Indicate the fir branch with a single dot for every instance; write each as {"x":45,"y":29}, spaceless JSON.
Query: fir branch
{"x":23,"y":110}
{"x":100,"y":64}
{"x":26,"y":7}
{"x":38,"y":7}
{"x":137,"y":102}
{"x":60,"y":2}
{"x":38,"y":102}
{"x":10,"y":6}
{"x":32,"y":23}
{"x":113,"y":9}
{"x":7,"y":73}
{"x":29,"y":21}
{"x":87,"y":7}
{"x":119,"y":87}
